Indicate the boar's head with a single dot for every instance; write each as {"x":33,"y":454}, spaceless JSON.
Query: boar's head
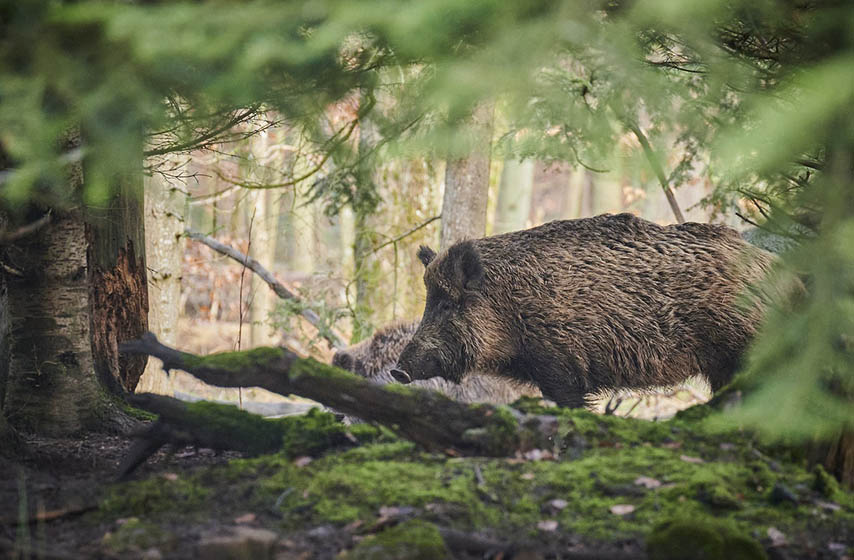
{"x":449,"y":340}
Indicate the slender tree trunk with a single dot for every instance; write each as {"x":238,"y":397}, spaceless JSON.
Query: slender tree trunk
{"x":587,"y":194}
{"x":366,"y":269}
{"x":264,"y":251}
{"x":467,"y":184}
{"x":164,"y":251}
{"x":514,"y":196}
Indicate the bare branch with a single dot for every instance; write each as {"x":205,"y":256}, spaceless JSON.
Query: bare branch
{"x":280,"y":289}
{"x":9,"y":237}
{"x":652,"y":159}
{"x":406,"y":233}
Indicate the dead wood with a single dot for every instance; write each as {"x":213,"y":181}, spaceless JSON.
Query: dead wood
{"x":425,"y":417}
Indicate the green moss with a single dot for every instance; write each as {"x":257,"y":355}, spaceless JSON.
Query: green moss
{"x":413,"y":540}
{"x":234,"y":361}
{"x":825,"y":484}
{"x":701,"y":538}
{"x":154,"y":495}
{"x":499,"y":435}
{"x":134,"y":536}
{"x":313,"y":368}
{"x":318,"y":431}
{"x":246,"y":431}
{"x":701,"y":475}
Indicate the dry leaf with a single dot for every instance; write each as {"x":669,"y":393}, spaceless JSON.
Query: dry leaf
{"x":527,"y":476}
{"x":558,"y":503}
{"x":689,"y":459}
{"x":777,"y":537}
{"x":622,"y":509}
{"x":547,"y":525}
{"x":647,"y":482}
{"x":245,"y":518}
{"x":302,"y":461}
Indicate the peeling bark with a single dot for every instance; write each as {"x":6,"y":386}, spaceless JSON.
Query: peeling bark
{"x":118,"y":285}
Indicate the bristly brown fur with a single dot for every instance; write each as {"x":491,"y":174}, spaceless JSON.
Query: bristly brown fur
{"x":375,"y":357}
{"x":584,"y":306}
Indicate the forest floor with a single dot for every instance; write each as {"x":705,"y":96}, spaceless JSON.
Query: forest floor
{"x":615,"y":488}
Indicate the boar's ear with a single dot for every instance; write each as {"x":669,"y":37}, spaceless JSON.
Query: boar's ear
{"x":426,"y":254}
{"x":468,"y":270}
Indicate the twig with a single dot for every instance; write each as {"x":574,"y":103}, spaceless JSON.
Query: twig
{"x":280,"y":289}
{"x":613,"y":404}
{"x":8,"y":237}
{"x":213,"y":197}
{"x":50,"y":515}
{"x":405,"y":234}
{"x":658,"y":170}
{"x":632,"y":409}
{"x":242,"y":274}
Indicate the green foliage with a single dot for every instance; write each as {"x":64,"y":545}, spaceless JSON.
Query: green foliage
{"x":757,"y":94}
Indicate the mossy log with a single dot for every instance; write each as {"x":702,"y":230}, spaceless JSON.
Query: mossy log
{"x":425,"y":417}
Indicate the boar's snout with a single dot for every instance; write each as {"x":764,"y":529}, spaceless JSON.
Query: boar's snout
{"x":401,"y":376}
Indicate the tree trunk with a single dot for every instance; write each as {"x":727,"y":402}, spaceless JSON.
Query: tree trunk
{"x":366,"y":269}
{"x":514,"y":196}
{"x":4,"y":320}
{"x":467,"y":184}
{"x":118,"y":286}
{"x":79,"y":289}
{"x":263,"y":249}
{"x":164,"y":251}
{"x":51,"y":386}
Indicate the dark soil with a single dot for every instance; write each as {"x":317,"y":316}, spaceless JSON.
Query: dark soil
{"x":56,"y":481}
{"x":59,"y":499}
{"x":49,"y":496}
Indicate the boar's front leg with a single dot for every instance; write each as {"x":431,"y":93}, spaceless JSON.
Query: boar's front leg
{"x":565,"y":395}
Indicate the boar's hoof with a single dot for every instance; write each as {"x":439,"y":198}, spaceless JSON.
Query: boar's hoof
{"x":401,"y":376}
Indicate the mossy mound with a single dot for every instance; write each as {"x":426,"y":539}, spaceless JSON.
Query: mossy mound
{"x":701,"y":539}
{"x":412,"y":540}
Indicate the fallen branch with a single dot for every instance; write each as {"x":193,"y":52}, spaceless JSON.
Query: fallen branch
{"x":280,"y":289}
{"x":203,"y":424}
{"x":50,"y":515}
{"x":427,"y":418}
{"x":652,"y":159}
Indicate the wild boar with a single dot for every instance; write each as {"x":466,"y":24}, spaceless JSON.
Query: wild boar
{"x":375,"y":357}
{"x":589,"y":305}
